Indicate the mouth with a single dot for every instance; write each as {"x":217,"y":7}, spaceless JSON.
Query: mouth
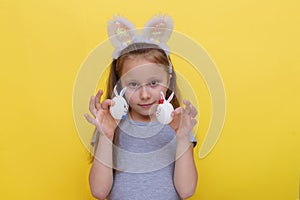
{"x":147,"y":105}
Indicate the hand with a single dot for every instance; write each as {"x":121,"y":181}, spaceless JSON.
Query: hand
{"x":184,"y":119}
{"x":103,"y":120}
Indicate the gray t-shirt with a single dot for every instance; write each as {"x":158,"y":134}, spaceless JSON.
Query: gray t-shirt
{"x":145,"y":162}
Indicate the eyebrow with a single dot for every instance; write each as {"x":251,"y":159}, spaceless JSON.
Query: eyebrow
{"x":159,"y":78}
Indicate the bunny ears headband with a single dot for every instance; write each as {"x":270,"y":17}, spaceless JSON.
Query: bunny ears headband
{"x":156,"y":31}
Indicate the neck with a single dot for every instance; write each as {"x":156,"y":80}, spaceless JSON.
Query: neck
{"x":147,"y":118}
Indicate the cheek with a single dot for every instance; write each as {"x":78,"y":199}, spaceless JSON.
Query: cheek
{"x":158,"y":90}
{"x":130,"y":96}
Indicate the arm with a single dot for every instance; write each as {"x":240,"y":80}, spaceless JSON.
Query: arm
{"x":101,"y":174}
{"x":185,"y":172}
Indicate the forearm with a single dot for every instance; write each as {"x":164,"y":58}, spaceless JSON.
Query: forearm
{"x":101,"y":174}
{"x":185,"y":172}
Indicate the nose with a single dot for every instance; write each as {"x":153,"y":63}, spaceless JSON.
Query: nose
{"x":144,"y":93}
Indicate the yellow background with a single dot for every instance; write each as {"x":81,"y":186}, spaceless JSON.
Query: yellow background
{"x":255,"y":45}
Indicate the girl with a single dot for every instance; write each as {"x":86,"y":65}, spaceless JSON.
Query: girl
{"x":137,"y":157}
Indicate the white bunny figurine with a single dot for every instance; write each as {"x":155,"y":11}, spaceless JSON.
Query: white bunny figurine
{"x":164,"y":109}
{"x":120,"y":108}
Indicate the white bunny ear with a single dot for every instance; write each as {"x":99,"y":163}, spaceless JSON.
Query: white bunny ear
{"x":115,"y":90}
{"x":170,"y":97}
{"x":162,"y":96}
{"x":158,"y":29}
{"x":120,"y":31}
{"x":123,"y":91}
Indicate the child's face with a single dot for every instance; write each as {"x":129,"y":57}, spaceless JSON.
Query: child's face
{"x":144,"y":81}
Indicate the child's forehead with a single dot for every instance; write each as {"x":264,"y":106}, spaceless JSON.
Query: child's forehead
{"x":142,"y":68}
{"x":144,"y":71}
{"x":138,"y":60}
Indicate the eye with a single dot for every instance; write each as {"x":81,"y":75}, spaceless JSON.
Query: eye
{"x":153,"y":83}
{"x":133,"y":85}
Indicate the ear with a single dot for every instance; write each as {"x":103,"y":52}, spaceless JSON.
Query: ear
{"x":120,"y":31}
{"x":158,"y":29}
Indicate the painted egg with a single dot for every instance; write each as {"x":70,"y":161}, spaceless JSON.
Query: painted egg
{"x":163,"y":113}
{"x":120,"y":108}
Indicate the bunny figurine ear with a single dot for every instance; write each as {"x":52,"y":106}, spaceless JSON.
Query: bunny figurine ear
{"x":121,"y":32}
{"x":170,"y":97}
{"x":158,"y":29}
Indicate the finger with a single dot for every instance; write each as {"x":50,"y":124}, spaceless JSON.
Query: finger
{"x":106,"y":103}
{"x":193,"y":122}
{"x":177,"y":111}
{"x":88,"y":118}
{"x":186,"y":102}
{"x":187,"y":106}
{"x":194,"y":111}
{"x":98,"y":99}
{"x":191,"y":110}
{"x":92,"y":106}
